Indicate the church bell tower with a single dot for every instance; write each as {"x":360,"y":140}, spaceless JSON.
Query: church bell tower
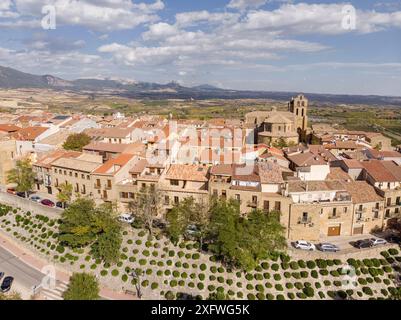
{"x":299,"y":107}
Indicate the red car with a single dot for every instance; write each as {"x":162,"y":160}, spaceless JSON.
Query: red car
{"x":11,"y":191}
{"x":47,"y":202}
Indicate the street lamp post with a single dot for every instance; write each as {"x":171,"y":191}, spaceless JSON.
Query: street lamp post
{"x":136,"y":274}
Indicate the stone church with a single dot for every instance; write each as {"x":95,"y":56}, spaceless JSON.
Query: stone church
{"x":271,"y":126}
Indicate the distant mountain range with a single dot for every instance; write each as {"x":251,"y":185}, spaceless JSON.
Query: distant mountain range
{"x":14,"y":79}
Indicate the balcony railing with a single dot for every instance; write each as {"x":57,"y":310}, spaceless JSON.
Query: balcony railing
{"x":304,"y":221}
{"x":97,"y":186}
{"x":362,"y":219}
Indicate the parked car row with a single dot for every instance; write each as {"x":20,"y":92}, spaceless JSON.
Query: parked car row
{"x":6,"y":284}
{"x":328,"y":247}
{"x":368,"y":243}
{"x":325,"y":247}
{"x":35,"y":198}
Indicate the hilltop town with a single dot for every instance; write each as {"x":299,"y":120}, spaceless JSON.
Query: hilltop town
{"x":326,"y":185}
{"x":316,"y":187}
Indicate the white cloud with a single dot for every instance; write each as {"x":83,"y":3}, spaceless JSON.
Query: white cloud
{"x":54,"y":62}
{"x":187,"y":19}
{"x":317,"y":19}
{"x":243,"y":4}
{"x":97,"y":15}
{"x":245,"y":39}
{"x":160,"y":30}
{"x":6,"y":9}
{"x":5,"y":5}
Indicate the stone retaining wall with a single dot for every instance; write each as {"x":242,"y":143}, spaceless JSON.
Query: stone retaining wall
{"x":342,"y":255}
{"x":28,"y":205}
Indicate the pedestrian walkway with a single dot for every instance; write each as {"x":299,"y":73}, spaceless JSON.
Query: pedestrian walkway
{"x":54,"y":294}
{"x":62,"y":276}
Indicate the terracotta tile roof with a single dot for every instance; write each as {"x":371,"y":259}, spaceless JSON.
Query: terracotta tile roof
{"x":306,"y":159}
{"x":57,"y":138}
{"x":356,"y":154}
{"x":279,"y":118}
{"x":131,"y":148}
{"x":139,"y":166}
{"x":310,"y":186}
{"x":342,"y":145}
{"x":393,"y":168}
{"x":275,"y":151}
{"x":385,"y":154}
{"x":274,"y":155}
{"x":52,"y":156}
{"x":187,"y":172}
{"x":383,"y":171}
{"x":29,"y":133}
{"x":112,"y":166}
{"x":266,"y":172}
{"x":269,"y":172}
{"x":353,"y":163}
{"x":295,"y":149}
{"x":110,"y":132}
{"x":222,"y":170}
{"x":362,"y":192}
{"x":76,"y":164}
{"x":338,"y":174}
{"x":246,"y":172}
{"x":9,"y":128}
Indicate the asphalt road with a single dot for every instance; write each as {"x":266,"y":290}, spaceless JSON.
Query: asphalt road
{"x":24,"y":275}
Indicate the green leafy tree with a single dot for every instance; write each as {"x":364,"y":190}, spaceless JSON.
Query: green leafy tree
{"x":179,"y":218}
{"x":146,"y":206}
{"x":223,"y":229}
{"x":77,"y":224}
{"x":22,"y":175}
{"x":189,"y":212}
{"x":218,"y":295}
{"x":109,"y":238}
{"x":76,"y":141}
{"x":65,"y":193}
{"x":201,"y":218}
{"x":10,"y":296}
{"x":378,"y":146}
{"x":395,"y":294}
{"x":83,"y":224}
{"x":82,"y":286}
{"x":280,"y":143}
{"x":264,"y":234}
{"x":243,"y":242}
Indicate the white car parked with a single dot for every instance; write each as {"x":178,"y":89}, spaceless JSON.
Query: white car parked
{"x":126,"y":218}
{"x":304,"y":245}
{"x":378,"y":241}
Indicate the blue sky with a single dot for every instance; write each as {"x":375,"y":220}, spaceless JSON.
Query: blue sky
{"x":276,"y":45}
